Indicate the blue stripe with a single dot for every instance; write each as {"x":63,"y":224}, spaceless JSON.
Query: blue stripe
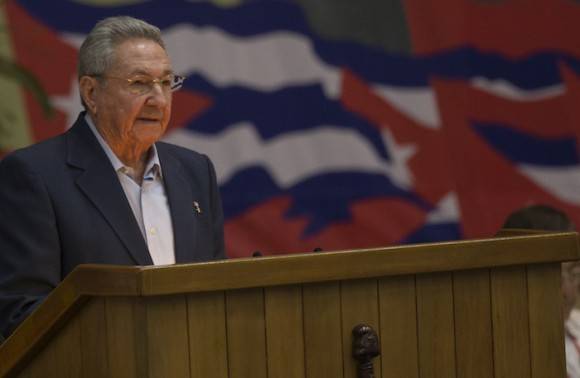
{"x":254,"y":18}
{"x":247,"y":20}
{"x":322,"y":199}
{"x":273,"y":114}
{"x":528,"y":149}
{"x":434,"y":233}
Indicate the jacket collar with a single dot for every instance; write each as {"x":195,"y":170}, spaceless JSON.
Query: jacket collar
{"x":180,"y":194}
{"x":99,"y":182}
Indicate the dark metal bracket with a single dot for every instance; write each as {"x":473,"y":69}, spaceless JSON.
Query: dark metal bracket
{"x":365,"y":347}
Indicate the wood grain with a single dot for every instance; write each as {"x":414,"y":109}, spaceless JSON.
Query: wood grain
{"x":207,"y":335}
{"x":168,"y":344}
{"x":322,"y":330}
{"x":545,"y":313}
{"x":359,"y":304}
{"x":435,"y":325}
{"x":285,"y":331}
{"x":473,"y":332}
{"x":246,"y":333}
{"x":62,"y":358}
{"x":93,"y":327}
{"x":372,"y":263}
{"x":398,"y":324}
{"x":126,"y":343}
{"x":509,"y":303}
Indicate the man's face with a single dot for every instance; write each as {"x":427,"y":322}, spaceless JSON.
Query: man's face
{"x":126,"y":119}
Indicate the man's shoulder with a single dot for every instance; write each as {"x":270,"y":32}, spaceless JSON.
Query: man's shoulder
{"x":175,"y":149}
{"x":39,"y":154}
{"x":194,"y":164}
{"x":181,"y":153}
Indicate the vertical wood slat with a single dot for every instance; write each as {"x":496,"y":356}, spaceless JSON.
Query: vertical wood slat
{"x":359,"y":304}
{"x":398,"y":325}
{"x":24,"y":374}
{"x":322,"y":330}
{"x":94,"y":339}
{"x":284,"y":331}
{"x":473,"y":331}
{"x":207,"y":335}
{"x":546,"y":331}
{"x":246,"y":333}
{"x":435,"y":325}
{"x":168,"y":346}
{"x":510,"y":322}
{"x":62,"y":357}
{"x":126,"y":342}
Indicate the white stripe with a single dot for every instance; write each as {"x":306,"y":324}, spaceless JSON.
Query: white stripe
{"x":505,"y":89}
{"x":73,"y":39}
{"x":268,"y":62}
{"x":562,"y":182}
{"x":274,"y":60}
{"x":296,"y":156}
{"x":418,"y":103}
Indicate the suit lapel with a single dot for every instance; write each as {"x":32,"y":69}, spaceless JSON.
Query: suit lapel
{"x":101,"y":185}
{"x":180,"y":196}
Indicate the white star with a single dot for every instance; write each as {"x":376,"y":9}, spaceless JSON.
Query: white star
{"x":69,"y":104}
{"x":399,"y":171}
{"x":447,"y":210}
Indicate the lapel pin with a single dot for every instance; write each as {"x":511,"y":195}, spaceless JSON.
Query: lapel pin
{"x":196,"y":207}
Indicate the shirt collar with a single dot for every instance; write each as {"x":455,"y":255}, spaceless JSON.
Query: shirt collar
{"x":153,"y":167}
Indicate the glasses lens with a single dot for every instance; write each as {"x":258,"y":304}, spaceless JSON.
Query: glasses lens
{"x":140,"y":86}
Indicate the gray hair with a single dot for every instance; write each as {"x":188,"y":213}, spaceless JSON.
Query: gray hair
{"x":96,"y":54}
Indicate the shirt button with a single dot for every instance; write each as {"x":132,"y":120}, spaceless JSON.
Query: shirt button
{"x":152,"y":231}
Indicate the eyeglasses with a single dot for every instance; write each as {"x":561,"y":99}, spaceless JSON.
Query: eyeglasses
{"x":141,"y":85}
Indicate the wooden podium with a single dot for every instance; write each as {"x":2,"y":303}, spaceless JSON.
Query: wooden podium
{"x":480,"y":308}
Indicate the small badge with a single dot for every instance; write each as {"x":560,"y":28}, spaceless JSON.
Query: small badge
{"x":196,"y":207}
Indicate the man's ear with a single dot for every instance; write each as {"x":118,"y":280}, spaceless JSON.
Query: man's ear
{"x":88,"y":88}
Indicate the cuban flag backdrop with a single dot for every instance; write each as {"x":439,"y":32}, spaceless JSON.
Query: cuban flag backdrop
{"x":344,"y":124}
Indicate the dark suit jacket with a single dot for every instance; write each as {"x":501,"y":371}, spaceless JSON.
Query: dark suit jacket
{"x":61,"y":204}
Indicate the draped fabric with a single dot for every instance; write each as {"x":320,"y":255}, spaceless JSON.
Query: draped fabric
{"x":341,"y":124}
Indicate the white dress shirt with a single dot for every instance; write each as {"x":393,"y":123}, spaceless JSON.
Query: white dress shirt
{"x":148,"y":201}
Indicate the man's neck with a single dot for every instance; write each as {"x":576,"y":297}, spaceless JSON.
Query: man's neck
{"x":135,"y":156}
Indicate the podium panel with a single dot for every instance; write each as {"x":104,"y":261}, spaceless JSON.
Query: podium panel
{"x":483,"y":308}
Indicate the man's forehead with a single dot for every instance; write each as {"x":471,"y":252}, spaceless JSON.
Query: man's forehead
{"x":141,"y":56}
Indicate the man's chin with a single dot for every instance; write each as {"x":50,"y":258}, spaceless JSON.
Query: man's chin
{"x":140,"y":122}
{"x":145,"y":130}
{"x":146,"y":140}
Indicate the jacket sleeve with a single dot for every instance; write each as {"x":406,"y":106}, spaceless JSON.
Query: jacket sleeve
{"x":29,"y":243}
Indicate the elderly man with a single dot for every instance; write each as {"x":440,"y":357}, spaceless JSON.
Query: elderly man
{"x":106,"y":191}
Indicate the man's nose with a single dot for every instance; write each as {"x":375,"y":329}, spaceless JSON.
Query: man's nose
{"x":157,"y":96}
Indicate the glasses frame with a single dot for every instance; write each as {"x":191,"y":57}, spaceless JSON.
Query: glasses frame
{"x":176,"y":83}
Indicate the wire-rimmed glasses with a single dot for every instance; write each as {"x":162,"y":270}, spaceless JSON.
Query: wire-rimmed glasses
{"x":141,"y":85}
